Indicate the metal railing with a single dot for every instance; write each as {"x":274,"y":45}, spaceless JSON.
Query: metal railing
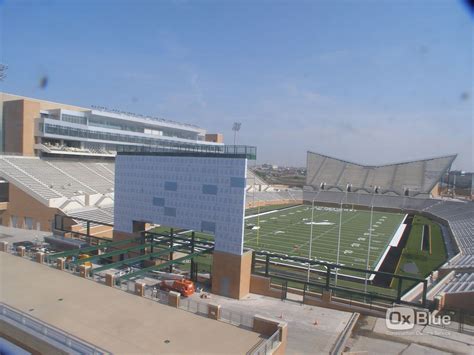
{"x":155,"y":294}
{"x":461,"y":320}
{"x":267,"y":346}
{"x":193,"y":306}
{"x":237,"y":318}
{"x":50,"y":334}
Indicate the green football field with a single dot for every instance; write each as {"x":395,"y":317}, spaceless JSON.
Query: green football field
{"x":288,"y":232}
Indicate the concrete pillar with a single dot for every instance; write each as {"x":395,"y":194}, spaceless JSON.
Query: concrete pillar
{"x":40,"y":257}
{"x":231,"y":274}
{"x":110,"y":279}
{"x":140,"y":288}
{"x":60,"y":262}
{"x":21,"y":250}
{"x":173,"y":299}
{"x":214,"y":311}
{"x":84,"y":271}
{"x":4,"y":246}
{"x":439,"y":301}
{"x":327,"y":296}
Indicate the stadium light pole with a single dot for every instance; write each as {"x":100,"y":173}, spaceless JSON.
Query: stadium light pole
{"x":339,"y":241}
{"x":310,"y":238}
{"x":236,"y":128}
{"x":454,"y":185}
{"x":3,"y":69}
{"x":370,"y":239}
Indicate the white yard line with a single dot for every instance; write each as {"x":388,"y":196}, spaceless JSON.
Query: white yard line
{"x":273,"y":211}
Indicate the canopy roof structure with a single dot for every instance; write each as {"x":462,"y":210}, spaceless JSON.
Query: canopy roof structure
{"x":410,"y":178}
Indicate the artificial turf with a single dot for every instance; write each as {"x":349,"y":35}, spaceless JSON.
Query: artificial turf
{"x":424,"y":262}
{"x":288,"y":232}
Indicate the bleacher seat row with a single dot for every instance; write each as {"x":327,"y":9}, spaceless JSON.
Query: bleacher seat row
{"x":59,"y":178}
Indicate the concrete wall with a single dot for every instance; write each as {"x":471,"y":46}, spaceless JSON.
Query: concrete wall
{"x":261,"y":286}
{"x":23,"y":205}
{"x":45,"y":105}
{"x":268,"y":327}
{"x":27,"y":341}
{"x":97,"y":231}
{"x":18,"y":115}
{"x":214,"y":137}
{"x":462,"y":300}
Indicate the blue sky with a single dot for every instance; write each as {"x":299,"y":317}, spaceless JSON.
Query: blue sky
{"x":368,"y":81}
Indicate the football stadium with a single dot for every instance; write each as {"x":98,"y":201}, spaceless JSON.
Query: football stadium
{"x":151,"y":206}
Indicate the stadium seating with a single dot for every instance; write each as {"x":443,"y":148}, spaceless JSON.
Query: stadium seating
{"x":254,"y":179}
{"x":462,"y":282}
{"x":88,"y":173}
{"x":460,"y":216}
{"x":26,"y":181}
{"x":52,"y":176}
{"x":464,"y":262}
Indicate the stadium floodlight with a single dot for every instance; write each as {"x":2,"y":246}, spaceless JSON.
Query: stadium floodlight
{"x":236,"y":128}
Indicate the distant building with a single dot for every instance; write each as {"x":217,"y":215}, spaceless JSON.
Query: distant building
{"x":38,"y":127}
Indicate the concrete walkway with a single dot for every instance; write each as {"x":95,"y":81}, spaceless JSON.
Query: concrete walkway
{"x":311,"y":330}
{"x":371,"y":336}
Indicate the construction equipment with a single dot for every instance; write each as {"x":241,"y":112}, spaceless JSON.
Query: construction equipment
{"x":85,"y":256}
{"x":184,"y":287}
